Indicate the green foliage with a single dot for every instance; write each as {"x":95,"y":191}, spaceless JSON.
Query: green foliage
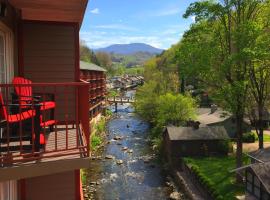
{"x":95,"y":141}
{"x":249,"y":137}
{"x":162,"y":110}
{"x":213,"y":173}
{"x":108,"y":112}
{"x":225,"y":146}
{"x":113,"y":93}
{"x":101,"y":126}
{"x":87,"y":55}
{"x":99,"y":129}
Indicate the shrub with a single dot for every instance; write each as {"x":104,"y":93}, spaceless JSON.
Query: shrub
{"x":249,"y":137}
{"x":95,"y":142}
{"x":205,"y":181}
{"x":224,"y":146}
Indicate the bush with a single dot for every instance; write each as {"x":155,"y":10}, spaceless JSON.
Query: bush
{"x":96,"y":141}
{"x":224,"y":146}
{"x":249,"y":137}
{"x":205,"y":181}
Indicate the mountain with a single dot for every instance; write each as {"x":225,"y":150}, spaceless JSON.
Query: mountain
{"x":128,"y":49}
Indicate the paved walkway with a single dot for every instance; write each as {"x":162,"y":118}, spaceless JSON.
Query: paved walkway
{"x":249,"y":147}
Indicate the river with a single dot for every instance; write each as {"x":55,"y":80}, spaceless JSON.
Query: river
{"x":128,"y":168}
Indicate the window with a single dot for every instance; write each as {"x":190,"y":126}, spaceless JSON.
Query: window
{"x":6,"y":54}
{"x":8,"y":190}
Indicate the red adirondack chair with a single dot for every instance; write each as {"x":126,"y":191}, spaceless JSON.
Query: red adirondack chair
{"x":19,"y":118}
{"x":25,"y":94}
{"x":25,"y":97}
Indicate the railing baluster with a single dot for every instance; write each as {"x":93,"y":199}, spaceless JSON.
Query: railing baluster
{"x":54,"y":117}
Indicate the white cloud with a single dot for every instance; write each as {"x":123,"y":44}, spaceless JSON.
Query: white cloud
{"x":193,"y":18}
{"x":116,"y":27}
{"x":98,"y":40}
{"x":167,"y":12}
{"x":95,"y":11}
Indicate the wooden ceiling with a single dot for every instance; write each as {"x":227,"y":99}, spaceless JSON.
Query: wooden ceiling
{"x":51,"y":10}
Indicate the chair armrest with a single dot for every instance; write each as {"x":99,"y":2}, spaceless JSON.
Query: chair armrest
{"x":14,"y":104}
{"x":50,"y":95}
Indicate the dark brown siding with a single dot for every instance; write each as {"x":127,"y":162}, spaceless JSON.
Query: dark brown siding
{"x":49,"y":52}
{"x":52,"y":187}
{"x":49,"y":56}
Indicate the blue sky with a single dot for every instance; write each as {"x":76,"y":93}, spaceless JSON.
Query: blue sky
{"x":155,"y":22}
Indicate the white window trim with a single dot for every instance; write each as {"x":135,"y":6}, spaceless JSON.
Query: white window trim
{"x":9,"y":51}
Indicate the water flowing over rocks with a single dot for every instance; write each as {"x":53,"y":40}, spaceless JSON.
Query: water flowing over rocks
{"x":129,"y":168}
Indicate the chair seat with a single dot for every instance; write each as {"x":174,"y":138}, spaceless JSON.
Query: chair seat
{"x":48,"y":123}
{"x":21,"y":116}
{"x":47,"y":105}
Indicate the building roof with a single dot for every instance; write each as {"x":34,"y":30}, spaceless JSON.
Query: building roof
{"x":203,"y":133}
{"x":261,"y":154}
{"x":91,"y":67}
{"x":205,"y":116}
{"x":262,"y":171}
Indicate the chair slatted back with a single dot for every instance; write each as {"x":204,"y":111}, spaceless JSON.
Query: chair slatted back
{"x":24,"y":92}
{"x":3,"y":110}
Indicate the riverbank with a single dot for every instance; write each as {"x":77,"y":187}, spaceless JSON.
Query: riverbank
{"x":127,"y":167}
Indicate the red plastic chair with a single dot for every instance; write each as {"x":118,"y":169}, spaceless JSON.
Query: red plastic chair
{"x":11,"y":119}
{"x":25,"y":94}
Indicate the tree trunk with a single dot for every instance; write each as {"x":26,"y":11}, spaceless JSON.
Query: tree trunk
{"x":261,"y":126}
{"x":183,"y":83}
{"x":239,"y":150}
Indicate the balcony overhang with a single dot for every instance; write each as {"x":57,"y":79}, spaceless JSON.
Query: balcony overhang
{"x":43,"y":168}
{"x":48,"y":10}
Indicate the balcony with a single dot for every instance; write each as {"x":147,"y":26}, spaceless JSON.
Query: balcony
{"x":35,"y":135}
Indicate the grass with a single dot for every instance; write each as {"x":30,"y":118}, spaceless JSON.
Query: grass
{"x":266,"y":137}
{"x":216,"y":169}
{"x":98,"y":130}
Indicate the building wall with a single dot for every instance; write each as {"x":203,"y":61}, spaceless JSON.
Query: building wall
{"x":51,"y":187}
{"x":49,"y":55}
{"x":179,"y":149}
{"x":49,"y":52}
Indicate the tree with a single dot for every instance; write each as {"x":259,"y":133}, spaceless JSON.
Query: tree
{"x":232,"y":24}
{"x":105,"y":60}
{"x":86,"y":54}
{"x":259,"y":74}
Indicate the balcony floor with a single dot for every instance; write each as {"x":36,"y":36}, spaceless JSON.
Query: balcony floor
{"x":60,"y":144}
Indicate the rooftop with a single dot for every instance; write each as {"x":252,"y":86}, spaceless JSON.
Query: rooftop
{"x":203,"y":133}
{"x":205,"y":116}
{"x":262,"y":170}
{"x":262,"y":154}
{"x":91,"y":67}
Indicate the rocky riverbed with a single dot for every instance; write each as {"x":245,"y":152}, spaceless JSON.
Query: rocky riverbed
{"x":127,"y":168}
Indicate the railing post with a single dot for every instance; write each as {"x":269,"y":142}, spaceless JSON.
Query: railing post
{"x":84,"y":113}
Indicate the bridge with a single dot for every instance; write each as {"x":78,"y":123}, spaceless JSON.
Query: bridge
{"x":121,"y":100}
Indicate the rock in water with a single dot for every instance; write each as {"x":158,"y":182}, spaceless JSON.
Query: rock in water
{"x":124,"y":148}
{"x":117,"y":138}
{"x":109,"y":157}
{"x":130,"y":151}
{"x":119,"y":162}
{"x":175,"y":196}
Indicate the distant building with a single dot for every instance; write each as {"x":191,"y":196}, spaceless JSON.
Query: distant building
{"x":188,"y":141}
{"x":258,"y":174}
{"x":96,"y":77}
{"x":215,"y":116}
